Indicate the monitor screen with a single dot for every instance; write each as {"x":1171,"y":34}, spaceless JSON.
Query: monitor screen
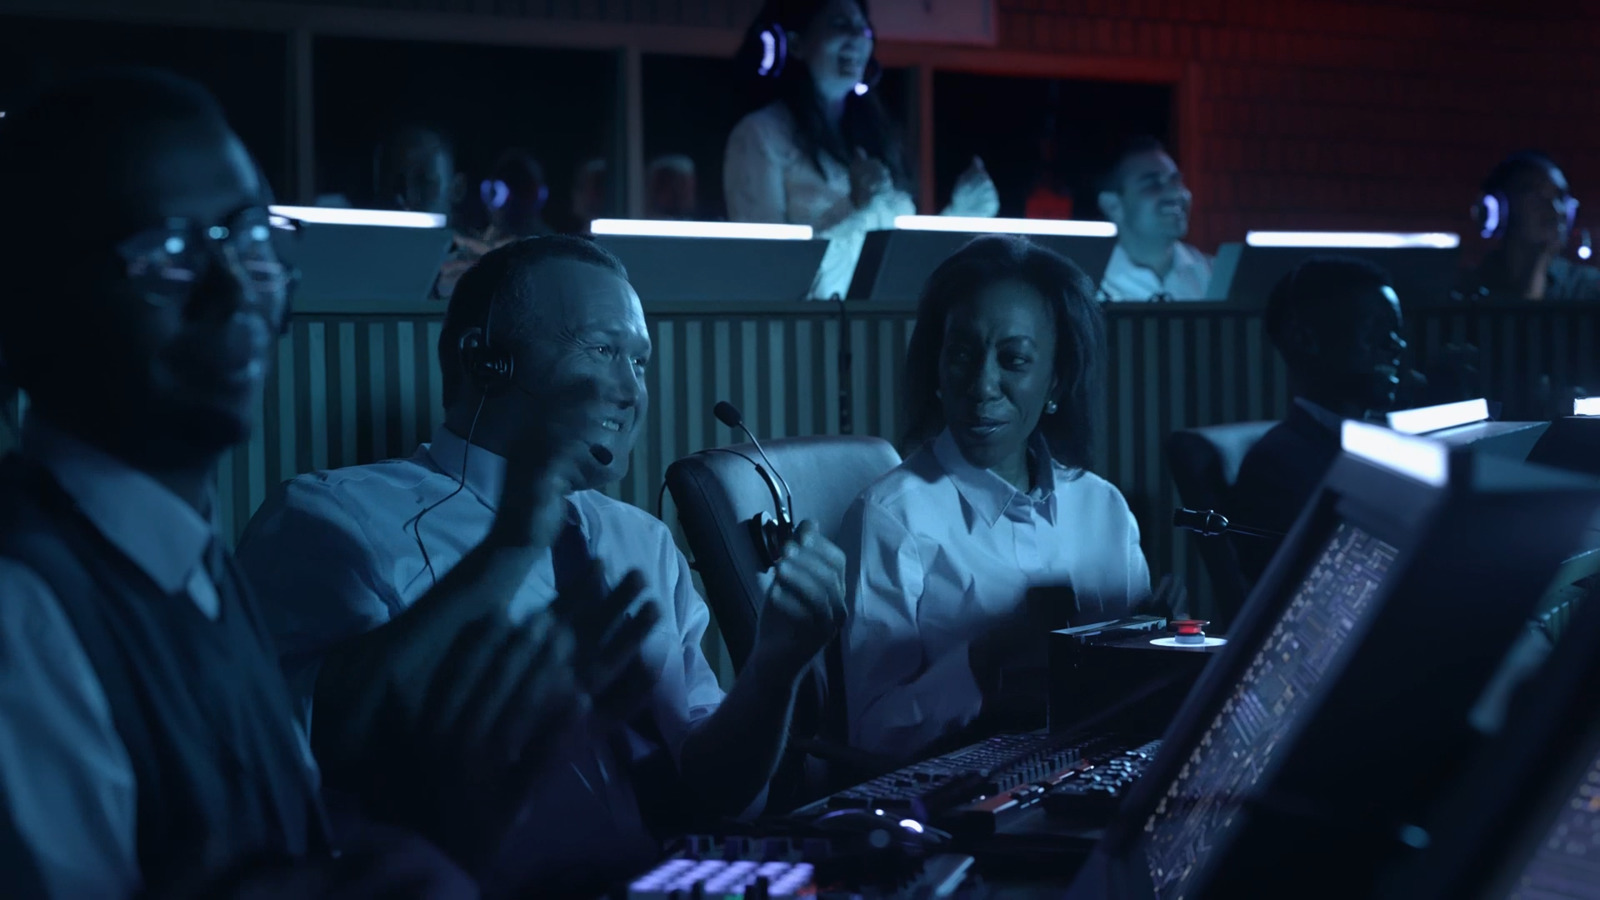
{"x":1567,"y":863}
{"x":1195,"y":818}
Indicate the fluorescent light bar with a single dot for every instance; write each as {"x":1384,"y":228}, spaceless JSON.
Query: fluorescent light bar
{"x":1424,"y":419}
{"x":669,"y":228}
{"x":327,"y":215}
{"x":1374,"y":240}
{"x":1418,"y":458}
{"x":977,"y":225}
{"x":1586,"y":406}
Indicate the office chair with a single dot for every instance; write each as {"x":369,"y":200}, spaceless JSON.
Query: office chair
{"x":717,"y":492}
{"x":1205,"y":463}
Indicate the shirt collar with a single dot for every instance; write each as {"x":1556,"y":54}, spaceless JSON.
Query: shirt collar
{"x":485,"y":470}
{"x":990,"y":494}
{"x":164,"y":536}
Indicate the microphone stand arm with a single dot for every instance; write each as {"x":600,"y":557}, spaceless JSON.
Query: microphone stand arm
{"x":1210,"y":523}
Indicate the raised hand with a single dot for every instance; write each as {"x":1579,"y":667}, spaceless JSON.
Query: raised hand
{"x":804,"y":608}
{"x":868,"y":179}
{"x":501,"y":702}
{"x":975,"y":193}
{"x":607,"y":639}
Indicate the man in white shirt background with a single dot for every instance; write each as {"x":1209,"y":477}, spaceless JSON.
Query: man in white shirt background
{"x":550,"y":329}
{"x":1144,"y":196}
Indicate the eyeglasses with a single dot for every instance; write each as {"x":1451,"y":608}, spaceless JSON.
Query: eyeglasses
{"x":165,"y":263}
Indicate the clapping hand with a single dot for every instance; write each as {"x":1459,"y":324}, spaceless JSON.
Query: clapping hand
{"x":804,"y":608}
{"x":975,"y":193}
{"x":868,"y":178}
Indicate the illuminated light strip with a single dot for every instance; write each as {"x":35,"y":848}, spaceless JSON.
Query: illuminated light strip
{"x":976,"y":225}
{"x":1586,"y":406}
{"x":668,"y":228}
{"x":1374,"y":240}
{"x":327,"y":215}
{"x":1418,"y":458}
{"x":1424,"y":419}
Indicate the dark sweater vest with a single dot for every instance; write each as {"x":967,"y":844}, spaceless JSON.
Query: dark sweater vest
{"x":200,"y":705}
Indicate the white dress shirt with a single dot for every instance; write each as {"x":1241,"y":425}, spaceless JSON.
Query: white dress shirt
{"x":66,"y":781}
{"x":766,"y":178}
{"x":939,"y":552}
{"x":334,"y":555}
{"x":1126,"y":280}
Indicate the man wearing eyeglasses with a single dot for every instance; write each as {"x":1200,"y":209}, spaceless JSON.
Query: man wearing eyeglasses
{"x":147,"y":739}
{"x":1527,"y":209}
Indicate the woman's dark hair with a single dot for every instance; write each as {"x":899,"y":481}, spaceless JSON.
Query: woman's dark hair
{"x":1080,"y":340}
{"x":865,"y":125}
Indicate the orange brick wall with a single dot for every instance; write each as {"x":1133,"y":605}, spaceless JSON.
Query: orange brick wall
{"x":1350,"y":115}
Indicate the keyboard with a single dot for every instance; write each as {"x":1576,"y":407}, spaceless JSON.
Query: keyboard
{"x":965,"y":790}
{"x":1091,"y":794}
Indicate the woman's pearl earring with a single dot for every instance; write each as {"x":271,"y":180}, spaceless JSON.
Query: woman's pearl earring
{"x":1050,"y":408}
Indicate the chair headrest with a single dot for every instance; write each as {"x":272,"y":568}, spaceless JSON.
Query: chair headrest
{"x":1205,"y":461}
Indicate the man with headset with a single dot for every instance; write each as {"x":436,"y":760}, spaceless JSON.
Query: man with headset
{"x":148,"y":745}
{"x":550,"y":329}
{"x":1526,"y":208}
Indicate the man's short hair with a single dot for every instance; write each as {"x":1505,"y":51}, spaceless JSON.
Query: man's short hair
{"x":491,"y":294}
{"x":1509,"y":169}
{"x":1117,"y":176}
{"x":1318,"y":285}
{"x":60,"y":153}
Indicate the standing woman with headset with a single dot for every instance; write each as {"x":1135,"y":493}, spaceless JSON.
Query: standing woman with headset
{"x":819,"y":149}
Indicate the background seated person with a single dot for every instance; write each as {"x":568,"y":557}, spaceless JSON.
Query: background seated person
{"x":1003,"y":374}
{"x":342,"y":553}
{"x":1145,"y":197}
{"x":1336,"y":323}
{"x":1526,"y":198}
{"x":818,"y":151}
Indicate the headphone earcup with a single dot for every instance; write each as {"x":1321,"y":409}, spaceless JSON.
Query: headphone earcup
{"x":770,"y":536}
{"x":490,"y":368}
{"x":1489,"y":214}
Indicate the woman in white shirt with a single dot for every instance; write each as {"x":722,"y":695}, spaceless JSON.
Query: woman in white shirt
{"x":819,"y":149}
{"x":1003,"y":375}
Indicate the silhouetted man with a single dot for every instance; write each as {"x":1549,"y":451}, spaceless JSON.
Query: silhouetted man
{"x":1144,"y":196}
{"x":1336,"y":323}
{"x":1526,"y":208}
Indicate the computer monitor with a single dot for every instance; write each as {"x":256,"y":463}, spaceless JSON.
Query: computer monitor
{"x":894,"y":265}
{"x":360,"y":268}
{"x":680,"y":269}
{"x":1524,"y":821}
{"x":1465,"y":425}
{"x":1349,"y":675}
{"x":1246,"y":274}
{"x":1571,"y":443}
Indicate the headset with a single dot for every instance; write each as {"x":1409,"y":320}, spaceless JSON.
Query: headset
{"x":769,"y":534}
{"x":774,"y":40}
{"x":496,"y":193}
{"x":491,"y":370}
{"x":1492,"y":211}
